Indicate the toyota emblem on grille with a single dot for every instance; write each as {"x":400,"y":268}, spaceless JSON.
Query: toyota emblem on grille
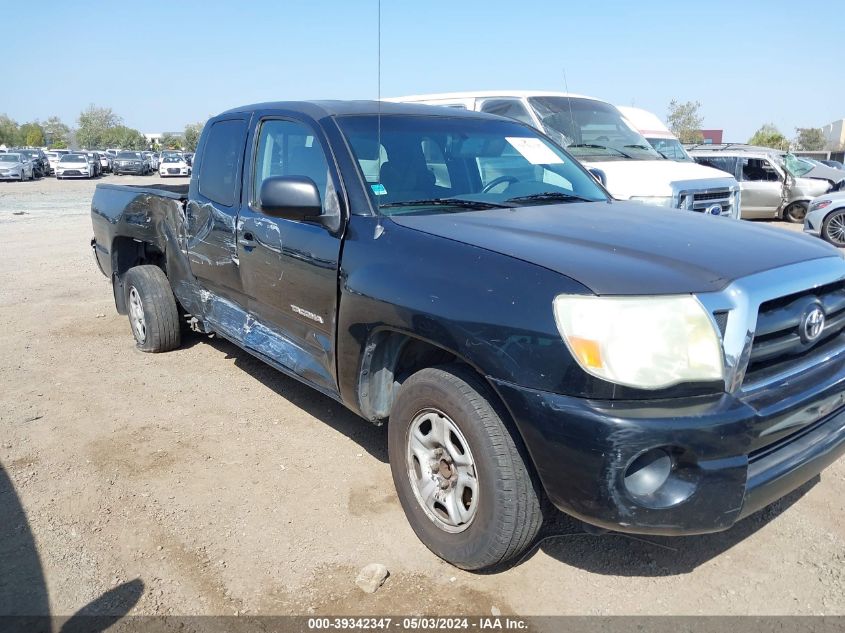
{"x":812,"y":324}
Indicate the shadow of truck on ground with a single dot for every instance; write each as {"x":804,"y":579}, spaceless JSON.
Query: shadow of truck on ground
{"x":24,"y":598}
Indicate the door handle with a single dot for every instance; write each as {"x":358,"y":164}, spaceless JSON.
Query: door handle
{"x":247,"y":239}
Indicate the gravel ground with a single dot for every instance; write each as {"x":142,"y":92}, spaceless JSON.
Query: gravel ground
{"x":203,"y":482}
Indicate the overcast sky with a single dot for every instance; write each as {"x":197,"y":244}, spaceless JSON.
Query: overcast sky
{"x":161,"y":65}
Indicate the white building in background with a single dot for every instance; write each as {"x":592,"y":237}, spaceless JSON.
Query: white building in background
{"x":153,"y":137}
{"x":835,"y":135}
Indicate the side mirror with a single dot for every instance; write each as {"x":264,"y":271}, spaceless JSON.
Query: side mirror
{"x":290,"y":197}
{"x":599,"y":175}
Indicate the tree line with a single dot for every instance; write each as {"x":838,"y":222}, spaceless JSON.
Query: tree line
{"x":96,"y":127}
{"x":685,"y":122}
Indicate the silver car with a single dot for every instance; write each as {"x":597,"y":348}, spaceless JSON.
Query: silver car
{"x":772,"y":184}
{"x":16,"y":167}
{"x":826,"y":218}
{"x":75,"y":165}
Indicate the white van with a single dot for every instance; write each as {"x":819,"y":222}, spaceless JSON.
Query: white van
{"x":656,"y":133}
{"x":595,"y":133}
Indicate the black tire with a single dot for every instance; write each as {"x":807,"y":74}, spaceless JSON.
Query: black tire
{"x":833,"y":228}
{"x":795,"y":212}
{"x":161,"y":331}
{"x":508,"y":515}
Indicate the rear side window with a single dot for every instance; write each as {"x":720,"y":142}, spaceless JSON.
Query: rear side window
{"x":509,"y":108}
{"x":221,"y":161}
{"x":725,"y":163}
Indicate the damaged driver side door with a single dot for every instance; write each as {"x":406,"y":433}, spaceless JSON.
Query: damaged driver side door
{"x":289,"y":267}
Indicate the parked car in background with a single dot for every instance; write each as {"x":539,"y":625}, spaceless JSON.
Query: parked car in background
{"x":826,"y":218}
{"x":105,"y":162}
{"x":174,"y":166}
{"x":153,"y":159}
{"x":16,"y":166}
{"x":75,"y":165}
{"x":53,"y":160}
{"x":94,"y":160}
{"x":41,"y":165}
{"x":130,"y":163}
{"x":598,"y":136}
{"x":189,"y":158}
{"x":772,"y":186}
{"x":656,"y":133}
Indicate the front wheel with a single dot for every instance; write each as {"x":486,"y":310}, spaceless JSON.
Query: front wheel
{"x":461,"y":474}
{"x":153,"y":314}
{"x":795,"y":212}
{"x":833,"y":228}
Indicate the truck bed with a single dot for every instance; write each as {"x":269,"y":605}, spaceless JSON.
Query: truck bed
{"x":153,"y":214}
{"x":179,"y":192}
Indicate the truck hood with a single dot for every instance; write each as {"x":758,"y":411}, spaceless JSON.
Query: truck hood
{"x":629,"y":178}
{"x":627,"y":248}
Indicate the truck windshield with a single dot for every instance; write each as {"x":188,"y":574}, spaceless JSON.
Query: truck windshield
{"x":797,"y":167}
{"x":441,"y":164}
{"x":589,"y":128}
{"x":671,"y":148}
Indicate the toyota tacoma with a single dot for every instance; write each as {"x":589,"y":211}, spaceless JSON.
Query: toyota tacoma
{"x":524,"y":336}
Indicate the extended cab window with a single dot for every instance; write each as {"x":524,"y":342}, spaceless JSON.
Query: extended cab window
{"x":440,"y":164}
{"x":288,"y":148}
{"x":221,"y":160}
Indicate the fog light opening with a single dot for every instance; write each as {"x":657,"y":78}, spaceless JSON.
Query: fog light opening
{"x":648,"y":472}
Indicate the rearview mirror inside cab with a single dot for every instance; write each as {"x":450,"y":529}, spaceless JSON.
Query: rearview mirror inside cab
{"x":290,"y":197}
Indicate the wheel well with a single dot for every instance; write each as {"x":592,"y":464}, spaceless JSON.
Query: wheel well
{"x":389,"y":358}
{"x":127,"y":253}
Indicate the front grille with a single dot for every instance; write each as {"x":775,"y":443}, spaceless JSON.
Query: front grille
{"x":172,"y":171}
{"x":72,"y":172}
{"x":703,"y":201}
{"x":714,"y":195}
{"x":778,"y":340}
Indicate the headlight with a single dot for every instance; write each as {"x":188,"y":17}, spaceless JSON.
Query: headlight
{"x":660,"y":201}
{"x":644,"y":342}
{"x":821,"y":204}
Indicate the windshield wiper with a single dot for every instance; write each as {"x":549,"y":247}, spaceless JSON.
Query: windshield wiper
{"x":554,"y":196}
{"x":594,"y":146}
{"x":445,"y":202}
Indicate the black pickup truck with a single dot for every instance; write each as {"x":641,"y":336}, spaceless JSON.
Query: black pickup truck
{"x":463,"y":279}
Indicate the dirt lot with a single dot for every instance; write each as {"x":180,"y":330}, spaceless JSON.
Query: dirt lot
{"x":203,"y":482}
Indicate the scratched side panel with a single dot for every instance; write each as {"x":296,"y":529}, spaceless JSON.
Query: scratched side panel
{"x":235,"y":323}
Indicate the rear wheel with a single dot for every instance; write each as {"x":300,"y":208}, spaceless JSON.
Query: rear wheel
{"x":460,"y":473}
{"x":795,"y":212}
{"x":833,"y":228}
{"x":153,"y":314}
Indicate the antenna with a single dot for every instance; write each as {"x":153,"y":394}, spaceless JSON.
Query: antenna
{"x":379,"y":228}
{"x":569,"y":102}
